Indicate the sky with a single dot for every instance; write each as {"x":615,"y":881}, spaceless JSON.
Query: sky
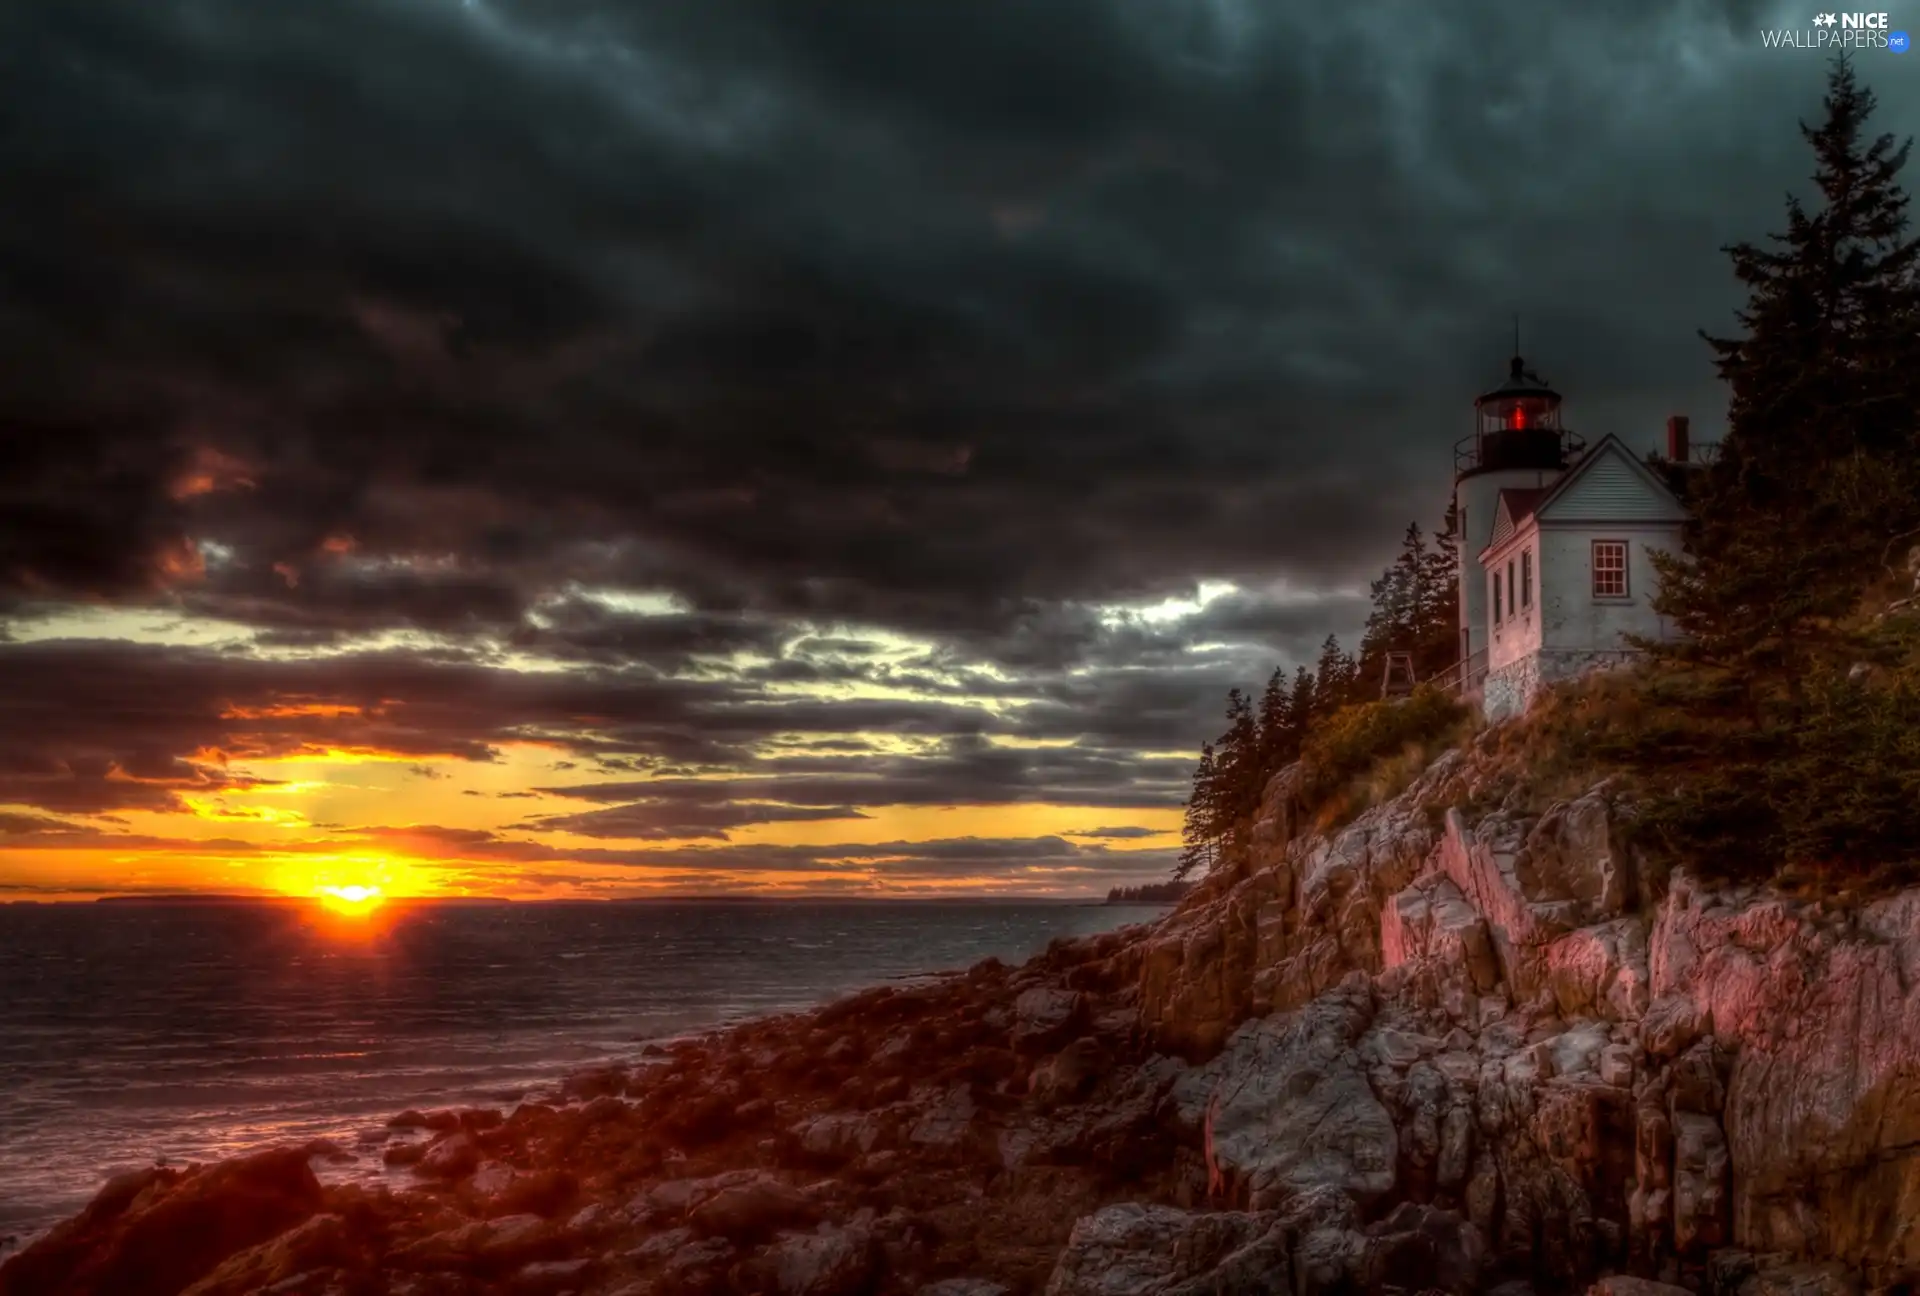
{"x":563,"y":448}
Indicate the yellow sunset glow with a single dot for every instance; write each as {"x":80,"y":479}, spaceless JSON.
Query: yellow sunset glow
{"x":352,"y":829}
{"x":352,"y":901}
{"x":351,"y":880}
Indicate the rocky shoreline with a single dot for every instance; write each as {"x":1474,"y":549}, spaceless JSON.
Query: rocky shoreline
{"x":1416,"y":1054}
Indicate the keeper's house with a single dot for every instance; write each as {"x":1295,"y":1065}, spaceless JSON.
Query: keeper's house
{"x":1555,"y":545}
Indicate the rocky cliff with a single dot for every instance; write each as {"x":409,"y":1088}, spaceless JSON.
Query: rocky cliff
{"x":1434,"y":1050}
{"x":1518,"y":1022}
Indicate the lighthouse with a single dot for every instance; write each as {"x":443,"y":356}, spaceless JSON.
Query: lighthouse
{"x":1518,"y":444}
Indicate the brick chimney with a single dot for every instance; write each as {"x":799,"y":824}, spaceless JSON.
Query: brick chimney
{"x":1677,"y":448}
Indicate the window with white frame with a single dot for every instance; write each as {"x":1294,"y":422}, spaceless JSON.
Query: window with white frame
{"x":1610,"y":569}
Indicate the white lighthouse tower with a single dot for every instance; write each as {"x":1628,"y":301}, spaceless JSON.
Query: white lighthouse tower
{"x":1518,"y":444}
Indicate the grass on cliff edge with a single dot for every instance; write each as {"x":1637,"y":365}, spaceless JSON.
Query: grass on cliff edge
{"x":1368,"y":753}
{"x":1814,"y":787}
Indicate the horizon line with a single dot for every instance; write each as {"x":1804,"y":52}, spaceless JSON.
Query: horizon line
{"x":268,"y":898}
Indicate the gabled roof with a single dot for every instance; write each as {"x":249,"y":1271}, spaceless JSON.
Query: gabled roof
{"x":1517,"y":504}
{"x":1608,"y":484}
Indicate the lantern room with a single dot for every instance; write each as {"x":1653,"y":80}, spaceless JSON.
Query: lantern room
{"x":1517,"y":427}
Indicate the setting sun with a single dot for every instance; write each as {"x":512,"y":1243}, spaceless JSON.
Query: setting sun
{"x":351,"y":900}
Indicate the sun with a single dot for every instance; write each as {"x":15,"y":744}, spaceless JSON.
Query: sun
{"x":352,"y":901}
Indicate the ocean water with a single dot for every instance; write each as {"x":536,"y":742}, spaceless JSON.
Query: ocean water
{"x":131,"y":1034}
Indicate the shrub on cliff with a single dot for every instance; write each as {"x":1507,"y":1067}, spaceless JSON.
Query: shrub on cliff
{"x":1822,"y":791}
{"x":1825,"y":792}
{"x":1363,"y":754}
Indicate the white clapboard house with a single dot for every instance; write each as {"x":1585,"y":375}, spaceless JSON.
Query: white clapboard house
{"x":1555,"y":545}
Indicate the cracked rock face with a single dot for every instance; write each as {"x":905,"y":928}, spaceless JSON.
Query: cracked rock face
{"x":1596,"y":1069}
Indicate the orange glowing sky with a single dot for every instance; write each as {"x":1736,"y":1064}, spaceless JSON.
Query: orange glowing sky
{"x":276,"y":787}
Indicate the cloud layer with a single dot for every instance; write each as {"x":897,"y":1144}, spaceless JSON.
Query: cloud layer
{"x":938,"y":409}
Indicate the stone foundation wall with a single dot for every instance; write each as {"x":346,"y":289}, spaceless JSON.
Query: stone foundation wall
{"x":1510,"y":690}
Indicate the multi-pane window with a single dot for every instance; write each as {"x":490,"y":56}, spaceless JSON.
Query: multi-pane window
{"x":1526,"y":578}
{"x":1609,"y":568}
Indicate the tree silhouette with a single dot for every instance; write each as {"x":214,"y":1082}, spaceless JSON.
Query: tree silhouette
{"x":1818,"y":474}
{"x":1202,"y":829}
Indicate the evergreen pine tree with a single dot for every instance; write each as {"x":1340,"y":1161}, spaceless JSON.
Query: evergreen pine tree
{"x":1274,"y":722}
{"x":1201,"y":829}
{"x":1393,"y":623}
{"x":1415,"y":610}
{"x":1437,"y":646}
{"x":1300,"y":715}
{"x":1815,"y":478}
{"x":1239,"y":756}
{"x":1335,"y":675}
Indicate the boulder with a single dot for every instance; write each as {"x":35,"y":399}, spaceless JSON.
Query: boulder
{"x":323,"y":1242}
{"x":752,"y":1209}
{"x":1046,"y":1017}
{"x":1700,"y":1166}
{"x":1574,"y":857}
{"x":156,"y":1232}
{"x":1068,"y":1075}
{"x":1292,"y":1110}
{"x":1136,"y":1250}
{"x":838,"y":1136}
{"x":832,"y":1261}
{"x":1601,"y":971}
{"x":1741,"y":1273}
{"x":1421,"y":1248}
{"x":1671,"y":1024}
{"x":673,"y":1198}
{"x":946,"y":1120}
{"x":453,"y":1157}
{"x":1621,"y":1285}
{"x":1431,"y":926}
{"x":551,"y":1277}
{"x":496,"y":1245}
{"x":697,"y":1267}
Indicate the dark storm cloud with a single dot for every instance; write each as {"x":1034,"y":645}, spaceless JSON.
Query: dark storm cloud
{"x":962,"y":323}
{"x":959,"y":772}
{"x":904,"y":319}
{"x":946,"y":858}
{"x":98,"y":725}
{"x":16,"y":825}
{"x":663,"y":819}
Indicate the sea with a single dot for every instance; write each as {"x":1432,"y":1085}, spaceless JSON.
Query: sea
{"x":140,"y":1033}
